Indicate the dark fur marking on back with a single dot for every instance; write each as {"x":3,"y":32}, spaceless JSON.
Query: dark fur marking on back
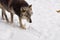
{"x":17,"y":5}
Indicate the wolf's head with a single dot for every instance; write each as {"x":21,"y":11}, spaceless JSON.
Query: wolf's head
{"x":26,"y":13}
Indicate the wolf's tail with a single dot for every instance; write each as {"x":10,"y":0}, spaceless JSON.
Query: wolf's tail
{"x":58,"y":11}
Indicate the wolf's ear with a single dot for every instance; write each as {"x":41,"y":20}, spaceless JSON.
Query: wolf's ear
{"x":23,"y":10}
{"x":30,"y":6}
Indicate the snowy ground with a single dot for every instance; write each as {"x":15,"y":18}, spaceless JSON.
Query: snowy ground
{"x":45,"y":26}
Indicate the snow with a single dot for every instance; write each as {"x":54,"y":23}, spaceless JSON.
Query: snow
{"x":45,"y":25}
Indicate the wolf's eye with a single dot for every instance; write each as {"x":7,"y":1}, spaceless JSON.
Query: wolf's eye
{"x":23,"y":10}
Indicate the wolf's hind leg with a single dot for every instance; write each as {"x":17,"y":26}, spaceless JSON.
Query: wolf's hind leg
{"x":4,"y":14}
{"x":11,"y":17}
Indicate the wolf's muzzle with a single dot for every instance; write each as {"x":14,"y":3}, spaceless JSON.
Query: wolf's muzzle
{"x":30,"y":21}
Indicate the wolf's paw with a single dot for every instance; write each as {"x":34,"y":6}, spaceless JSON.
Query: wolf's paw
{"x":23,"y":27}
{"x":3,"y":18}
{"x":11,"y":22}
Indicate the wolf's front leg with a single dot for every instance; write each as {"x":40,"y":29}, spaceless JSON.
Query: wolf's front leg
{"x":20,"y":21}
{"x":4,"y":14}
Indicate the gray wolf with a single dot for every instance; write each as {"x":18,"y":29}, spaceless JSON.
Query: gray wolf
{"x":19,"y":7}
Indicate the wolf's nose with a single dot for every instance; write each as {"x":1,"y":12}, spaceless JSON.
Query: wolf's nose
{"x":30,"y":21}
